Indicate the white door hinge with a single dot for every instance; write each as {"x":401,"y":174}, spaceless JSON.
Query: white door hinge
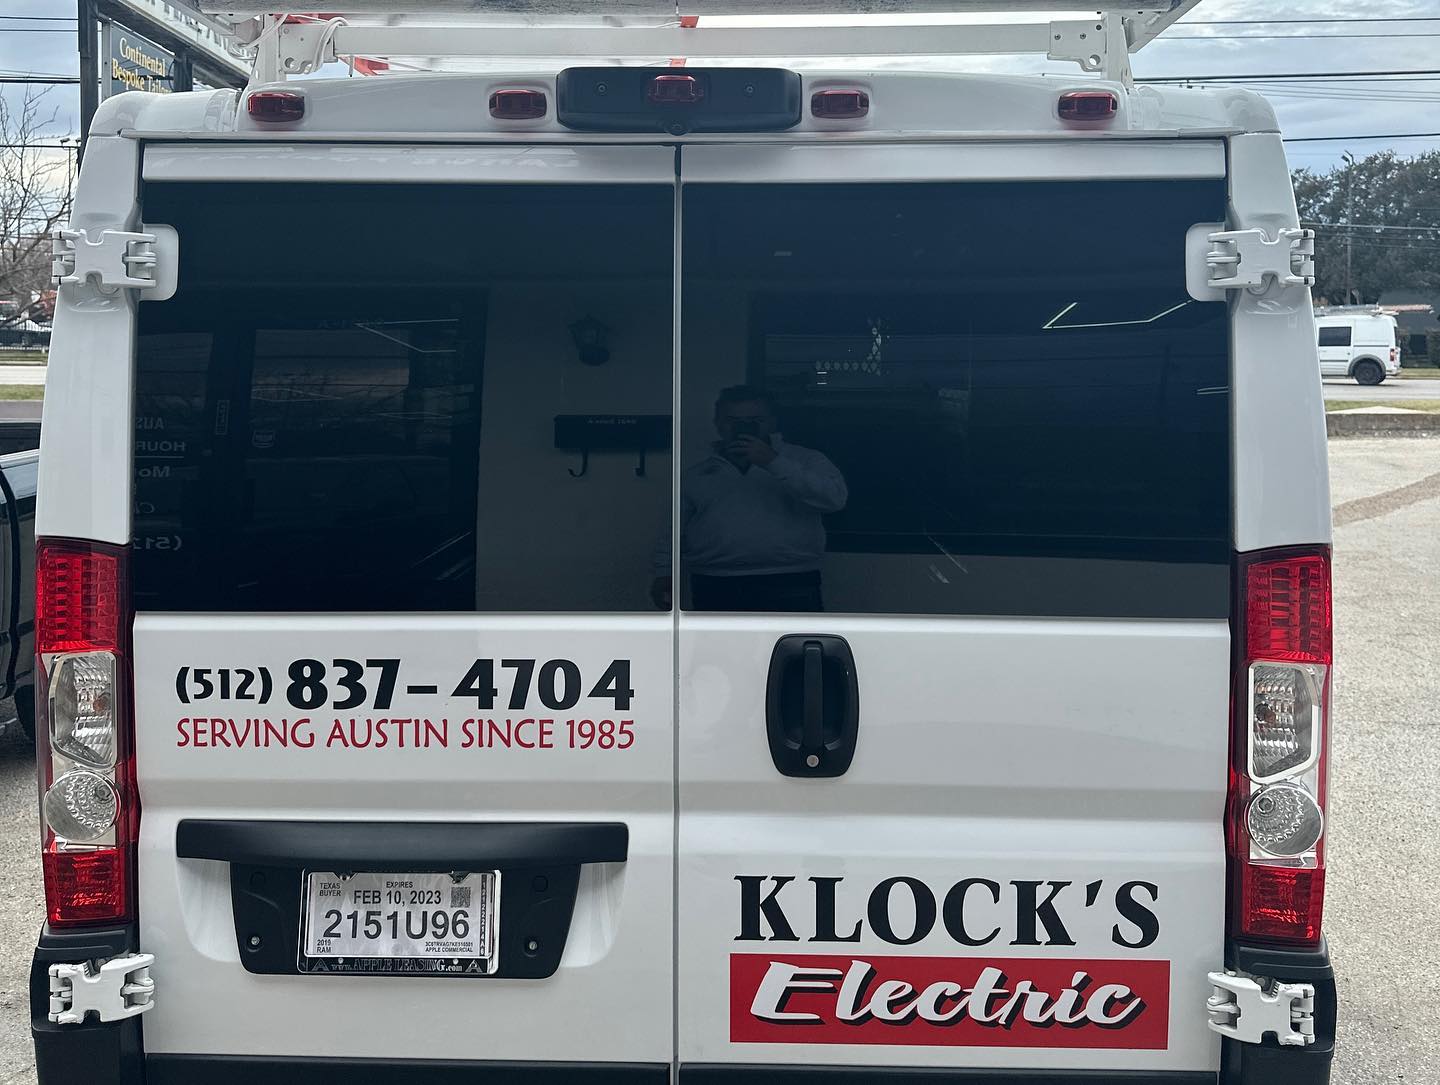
{"x":1244,"y":258}
{"x":1245,"y":1008}
{"x":112,"y":989}
{"x":144,"y":259}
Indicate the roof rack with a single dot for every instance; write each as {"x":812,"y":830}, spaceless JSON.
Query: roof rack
{"x":1100,"y":42}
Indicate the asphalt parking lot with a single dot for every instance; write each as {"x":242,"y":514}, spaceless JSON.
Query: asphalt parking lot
{"x":1396,"y":390}
{"x":1385,"y":799}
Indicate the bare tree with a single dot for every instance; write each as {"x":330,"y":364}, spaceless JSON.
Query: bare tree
{"x":35,"y":189}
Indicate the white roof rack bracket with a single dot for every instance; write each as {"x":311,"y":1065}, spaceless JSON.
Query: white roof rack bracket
{"x":1100,"y":42}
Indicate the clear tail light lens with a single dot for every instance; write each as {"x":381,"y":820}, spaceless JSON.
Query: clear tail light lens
{"x":81,"y":806}
{"x":89,"y":807}
{"x":1284,"y":820}
{"x":1279,"y":757}
{"x":82,"y":708}
{"x":1285,"y":714}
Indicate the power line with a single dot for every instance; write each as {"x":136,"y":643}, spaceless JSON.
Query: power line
{"x":1348,"y":19}
{"x":1270,"y":76}
{"x":1341,"y":139}
{"x":1285,"y":37}
{"x":56,"y":80}
{"x":38,"y":19}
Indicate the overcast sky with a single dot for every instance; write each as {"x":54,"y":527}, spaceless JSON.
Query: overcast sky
{"x":1305,"y":109}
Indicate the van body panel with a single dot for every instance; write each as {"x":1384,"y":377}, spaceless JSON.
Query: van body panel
{"x":1108,"y":801}
{"x":999,"y":748}
{"x":1281,"y":489}
{"x":223,"y":763}
{"x":373,"y":583}
{"x":86,"y":427}
{"x":417,"y":442}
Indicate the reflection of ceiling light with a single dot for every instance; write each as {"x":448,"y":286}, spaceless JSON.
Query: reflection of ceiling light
{"x":1053,"y":324}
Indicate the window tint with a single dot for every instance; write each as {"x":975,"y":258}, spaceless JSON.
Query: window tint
{"x":334,"y":420}
{"x":1332,"y":336}
{"x":957,"y":402}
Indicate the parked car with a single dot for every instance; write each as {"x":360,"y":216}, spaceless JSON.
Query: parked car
{"x":1361,"y":345}
{"x":18,"y":475}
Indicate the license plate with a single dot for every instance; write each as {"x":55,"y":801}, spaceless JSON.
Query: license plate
{"x":400,"y":923}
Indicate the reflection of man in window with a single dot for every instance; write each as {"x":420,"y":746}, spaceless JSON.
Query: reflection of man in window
{"x":751,"y":536}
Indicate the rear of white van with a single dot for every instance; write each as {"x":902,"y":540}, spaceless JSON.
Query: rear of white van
{"x":979,"y":732}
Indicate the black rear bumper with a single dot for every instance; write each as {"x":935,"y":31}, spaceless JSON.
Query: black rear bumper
{"x":112,"y":1054}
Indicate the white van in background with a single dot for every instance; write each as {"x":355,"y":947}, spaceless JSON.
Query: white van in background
{"x":1359,"y":343}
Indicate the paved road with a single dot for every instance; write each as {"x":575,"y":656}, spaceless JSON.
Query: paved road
{"x":1394,"y":390}
{"x":1385,"y":806}
{"x":22,"y":374}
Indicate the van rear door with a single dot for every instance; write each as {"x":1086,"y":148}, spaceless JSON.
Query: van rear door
{"x":958,"y":802}
{"x":404,"y":705}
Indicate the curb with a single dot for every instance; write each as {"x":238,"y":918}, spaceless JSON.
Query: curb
{"x":1382,"y":425}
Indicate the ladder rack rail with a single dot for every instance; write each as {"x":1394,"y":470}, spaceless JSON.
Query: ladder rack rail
{"x":649,"y":29}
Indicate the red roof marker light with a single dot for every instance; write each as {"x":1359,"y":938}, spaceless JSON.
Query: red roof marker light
{"x":517,"y":104}
{"x":1088,"y":105}
{"x":275,"y":106}
{"x":833,"y":105}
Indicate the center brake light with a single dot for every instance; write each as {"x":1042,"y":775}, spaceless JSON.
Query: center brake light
{"x":1280,"y":745}
{"x":675,"y":90}
{"x":86,"y":767}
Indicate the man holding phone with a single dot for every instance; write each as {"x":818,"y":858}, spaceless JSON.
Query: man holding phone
{"x":751,"y":534}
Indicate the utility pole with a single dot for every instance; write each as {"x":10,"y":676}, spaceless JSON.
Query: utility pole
{"x":89,"y":68}
{"x":1349,"y":216}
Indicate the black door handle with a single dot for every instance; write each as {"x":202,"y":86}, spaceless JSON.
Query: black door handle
{"x":812,"y":705}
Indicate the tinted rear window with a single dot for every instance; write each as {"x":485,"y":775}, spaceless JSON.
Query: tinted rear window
{"x":1029,"y":413}
{"x":351,"y":403}
{"x":1335,"y":337}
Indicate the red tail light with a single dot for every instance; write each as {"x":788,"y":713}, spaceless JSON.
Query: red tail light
{"x":1280,"y":745}
{"x":275,"y":106}
{"x":1088,"y":105}
{"x":90,"y":813}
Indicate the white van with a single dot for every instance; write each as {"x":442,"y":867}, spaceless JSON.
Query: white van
{"x":968,"y":719}
{"x":1359,"y":344}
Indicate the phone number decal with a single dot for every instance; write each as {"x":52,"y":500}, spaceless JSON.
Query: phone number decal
{"x":343,"y":684}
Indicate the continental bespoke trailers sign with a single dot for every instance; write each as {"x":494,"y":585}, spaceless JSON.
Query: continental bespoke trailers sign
{"x":136,"y":63}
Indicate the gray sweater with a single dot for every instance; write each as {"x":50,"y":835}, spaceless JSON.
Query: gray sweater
{"x":755,"y":522}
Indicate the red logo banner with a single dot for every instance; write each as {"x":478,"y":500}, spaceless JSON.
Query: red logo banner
{"x":949,"y":1001}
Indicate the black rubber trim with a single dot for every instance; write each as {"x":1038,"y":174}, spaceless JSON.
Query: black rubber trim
{"x":92,"y":1054}
{"x":881,"y":1075}
{"x":1268,"y":1063}
{"x":85,"y":944}
{"x":401,"y":846}
{"x":249,"y":1069}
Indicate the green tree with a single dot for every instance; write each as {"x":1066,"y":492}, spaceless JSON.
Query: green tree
{"x":1380,"y":217}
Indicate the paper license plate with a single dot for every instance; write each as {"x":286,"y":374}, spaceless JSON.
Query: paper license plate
{"x":400,"y":923}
